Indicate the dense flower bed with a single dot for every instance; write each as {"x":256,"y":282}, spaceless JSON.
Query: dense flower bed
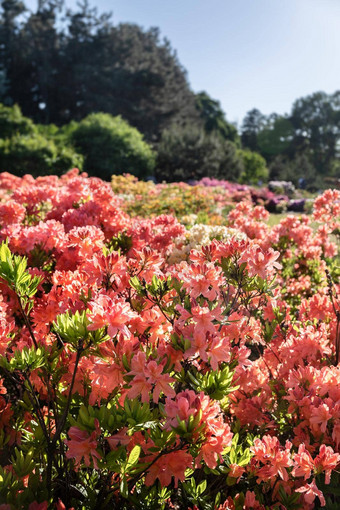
{"x":210,"y":198}
{"x":144,"y":365}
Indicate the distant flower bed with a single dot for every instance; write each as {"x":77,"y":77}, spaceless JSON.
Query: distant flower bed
{"x":211,"y":198}
{"x":156,"y":361}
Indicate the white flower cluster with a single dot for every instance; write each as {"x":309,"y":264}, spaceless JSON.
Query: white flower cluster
{"x":125,"y":197}
{"x":200,"y":235}
{"x":189,"y":220}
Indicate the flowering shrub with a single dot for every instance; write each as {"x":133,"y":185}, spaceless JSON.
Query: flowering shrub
{"x":134,"y":379}
{"x":148,"y":199}
{"x":209,"y":199}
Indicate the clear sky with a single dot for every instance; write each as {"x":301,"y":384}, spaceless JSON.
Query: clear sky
{"x":245,"y":53}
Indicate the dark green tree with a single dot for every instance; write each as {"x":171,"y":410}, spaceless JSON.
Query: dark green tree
{"x":214,"y":118}
{"x":284,"y":169}
{"x":10,"y":10}
{"x":79,"y":90}
{"x":85,"y":65}
{"x":276,"y":137}
{"x":316,"y":119}
{"x":189,"y":154}
{"x":253,"y":123}
{"x":33,"y":62}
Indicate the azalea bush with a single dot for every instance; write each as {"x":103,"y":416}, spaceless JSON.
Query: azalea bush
{"x":138,"y":374}
{"x":148,"y":199}
{"x":209,"y":199}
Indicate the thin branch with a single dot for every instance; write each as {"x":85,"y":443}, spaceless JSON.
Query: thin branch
{"x":66,"y":410}
{"x":34,"y":402}
{"x":27,"y":322}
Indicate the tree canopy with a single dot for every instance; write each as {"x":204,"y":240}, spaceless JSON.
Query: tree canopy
{"x":74,"y":63}
{"x":214,"y":118}
{"x":302,"y":144}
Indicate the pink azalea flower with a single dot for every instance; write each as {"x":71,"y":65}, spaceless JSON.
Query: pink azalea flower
{"x":171,"y":465}
{"x":82,"y":446}
{"x":310,"y":492}
{"x":114,"y":313}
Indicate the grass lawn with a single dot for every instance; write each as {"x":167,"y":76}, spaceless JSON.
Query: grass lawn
{"x":274,"y":218}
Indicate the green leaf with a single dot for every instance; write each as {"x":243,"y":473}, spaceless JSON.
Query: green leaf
{"x":72,"y":327}
{"x":135,"y":283}
{"x":13,"y":271}
{"x":133,"y":457}
{"x":201,"y":487}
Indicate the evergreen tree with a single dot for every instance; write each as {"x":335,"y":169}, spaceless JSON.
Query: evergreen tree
{"x":10,"y":10}
{"x":214,"y":118}
{"x":189,"y":154}
{"x":86,"y":64}
{"x":253,"y":123}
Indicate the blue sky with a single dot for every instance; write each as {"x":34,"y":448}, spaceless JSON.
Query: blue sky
{"x":245,"y":53}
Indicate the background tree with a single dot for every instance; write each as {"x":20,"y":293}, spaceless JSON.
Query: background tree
{"x":302,"y":144}
{"x":12,"y":122}
{"x":110,"y":146}
{"x":255,"y":168}
{"x":36,"y":155}
{"x":214,"y":118}
{"x":86,"y":64}
{"x":61,"y":65}
{"x":28,"y":148}
{"x":190,"y":154}
{"x":316,"y":119}
{"x":276,"y":137}
{"x":253,"y":123}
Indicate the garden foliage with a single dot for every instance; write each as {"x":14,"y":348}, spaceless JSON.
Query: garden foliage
{"x":100,"y":144}
{"x":130,"y":380}
{"x":109,"y":145}
{"x":187,"y":153}
{"x":28,"y":148}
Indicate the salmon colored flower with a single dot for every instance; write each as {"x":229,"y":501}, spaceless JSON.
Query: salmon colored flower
{"x":260,"y":262}
{"x":320,"y":416}
{"x":236,"y":471}
{"x":114,"y":313}
{"x":303,"y":463}
{"x":326,"y":461}
{"x":171,"y":465}
{"x":149,"y":376}
{"x":82,"y":446}
{"x":310,"y":492}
